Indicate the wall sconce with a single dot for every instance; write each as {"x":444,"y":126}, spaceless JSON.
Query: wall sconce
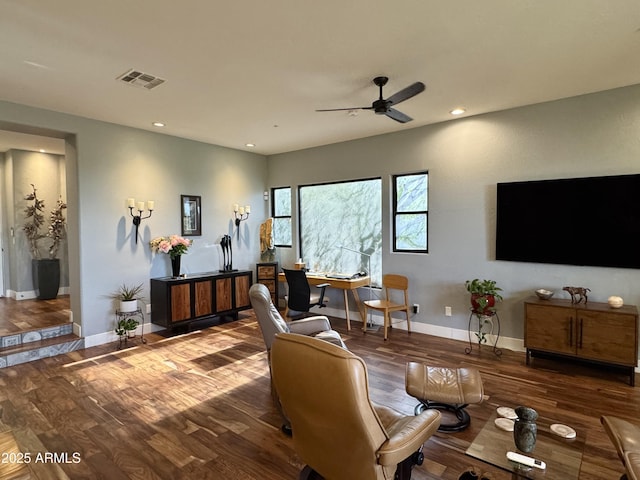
{"x":131,"y":203}
{"x":241,"y":213}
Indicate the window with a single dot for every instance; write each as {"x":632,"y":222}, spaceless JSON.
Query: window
{"x":281,"y":213}
{"x":341,"y":227}
{"x":410,"y":212}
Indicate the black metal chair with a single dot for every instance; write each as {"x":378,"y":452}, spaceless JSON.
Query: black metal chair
{"x":299,"y":297}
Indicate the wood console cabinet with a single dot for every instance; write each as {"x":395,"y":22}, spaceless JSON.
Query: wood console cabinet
{"x":592,"y":331}
{"x":178,"y":301}
{"x":267,"y":274}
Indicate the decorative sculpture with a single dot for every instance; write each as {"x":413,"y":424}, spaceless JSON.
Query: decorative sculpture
{"x":267,"y":249}
{"x":578,"y":294}
{"x":227,"y":253}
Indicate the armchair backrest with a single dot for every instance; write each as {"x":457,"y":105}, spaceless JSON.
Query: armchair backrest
{"x":269,"y":319}
{"x":299,"y":290}
{"x":324,"y":391}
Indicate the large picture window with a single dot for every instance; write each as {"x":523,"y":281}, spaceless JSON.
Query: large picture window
{"x":410,"y":212}
{"x":341,"y":227}
{"x":281,"y":213}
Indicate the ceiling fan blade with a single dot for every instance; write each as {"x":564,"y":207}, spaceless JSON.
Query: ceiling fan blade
{"x":398,"y":116}
{"x":406,"y":93}
{"x":341,"y":109}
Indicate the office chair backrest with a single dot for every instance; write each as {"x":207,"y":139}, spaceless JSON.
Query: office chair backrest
{"x":324,"y":390}
{"x":299,"y":292}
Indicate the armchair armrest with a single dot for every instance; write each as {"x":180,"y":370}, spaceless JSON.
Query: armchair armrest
{"x":406,"y":433}
{"x":310,"y":325}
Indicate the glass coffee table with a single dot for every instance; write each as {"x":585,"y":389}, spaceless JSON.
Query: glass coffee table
{"x":563,"y":456}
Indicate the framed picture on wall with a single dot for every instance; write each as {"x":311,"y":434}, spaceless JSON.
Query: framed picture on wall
{"x":190,"y":212}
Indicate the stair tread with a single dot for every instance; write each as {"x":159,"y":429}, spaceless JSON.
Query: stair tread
{"x":24,"y":347}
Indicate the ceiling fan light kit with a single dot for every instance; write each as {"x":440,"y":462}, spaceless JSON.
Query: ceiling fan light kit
{"x":382,"y":106}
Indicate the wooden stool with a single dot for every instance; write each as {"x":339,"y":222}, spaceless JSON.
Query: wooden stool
{"x":443,"y":388}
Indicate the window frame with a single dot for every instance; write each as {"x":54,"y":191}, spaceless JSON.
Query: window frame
{"x":395,"y":213}
{"x":275,"y":216}
{"x":300,"y":220}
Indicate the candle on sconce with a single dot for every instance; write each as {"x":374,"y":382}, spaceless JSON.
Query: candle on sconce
{"x":140,"y":206}
{"x":241,"y":210}
{"x":150,"y":205}
{"x":131,"y":202}
{"x":235,"y":207}
{"x":247,"y":209}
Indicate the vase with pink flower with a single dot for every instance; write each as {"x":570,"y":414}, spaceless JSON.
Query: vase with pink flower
{"x":173,"y":245}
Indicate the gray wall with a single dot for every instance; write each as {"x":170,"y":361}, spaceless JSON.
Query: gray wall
{"x":108,"y":163}
{"x":589,"y":135}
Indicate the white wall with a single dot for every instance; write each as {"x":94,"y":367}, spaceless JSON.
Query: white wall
{"x":589,"y":135}
{"x":108,"y":163}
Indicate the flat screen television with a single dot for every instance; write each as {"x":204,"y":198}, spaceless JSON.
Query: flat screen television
{"x":592,"y":221}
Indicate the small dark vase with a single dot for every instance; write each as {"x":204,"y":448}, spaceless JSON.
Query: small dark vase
{"x":175,"y":266}
{"x":525,"y":429}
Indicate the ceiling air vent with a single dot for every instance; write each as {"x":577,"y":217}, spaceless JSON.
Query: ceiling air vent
{"x":140,"y":79}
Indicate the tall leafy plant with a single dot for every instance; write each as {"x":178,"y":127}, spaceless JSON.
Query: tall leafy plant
{"x":34,"y":221}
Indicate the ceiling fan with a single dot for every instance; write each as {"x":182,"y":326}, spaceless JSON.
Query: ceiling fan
{"x":382,"y":106}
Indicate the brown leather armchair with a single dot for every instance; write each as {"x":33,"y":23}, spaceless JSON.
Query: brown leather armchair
{"x":626,"y":438}
{"x":338,"y":431}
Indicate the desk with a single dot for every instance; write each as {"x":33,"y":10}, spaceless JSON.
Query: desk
{"x":346,"y":285}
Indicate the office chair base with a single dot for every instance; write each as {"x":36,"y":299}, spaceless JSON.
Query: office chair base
{"x":403,"y":472}
{"x":458,"y":410}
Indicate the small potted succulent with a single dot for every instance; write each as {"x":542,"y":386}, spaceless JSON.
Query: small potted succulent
{"x":128,"y":297}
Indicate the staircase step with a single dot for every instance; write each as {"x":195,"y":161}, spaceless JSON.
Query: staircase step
{"x":47,"y":346}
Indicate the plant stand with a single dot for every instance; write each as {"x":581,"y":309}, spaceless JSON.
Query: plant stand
{"x":481,"y":320}
{"x":124,"y":339}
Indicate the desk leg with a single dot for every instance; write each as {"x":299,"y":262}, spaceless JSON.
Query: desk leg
{"x":356,"y":297}
{"x":346,"y":309}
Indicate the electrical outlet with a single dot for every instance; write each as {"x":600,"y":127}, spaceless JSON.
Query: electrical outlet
{"x":447,"y":311}
{"x":416,"y":308}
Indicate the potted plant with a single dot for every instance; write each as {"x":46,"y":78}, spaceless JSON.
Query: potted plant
{"x":126,"y":327}
{"x":128,"y":297}
{"x":45,"y":271}
{"x":484,"y":295}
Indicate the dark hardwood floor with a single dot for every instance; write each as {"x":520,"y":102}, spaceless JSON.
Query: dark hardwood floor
{"x":17,"y":316}
{"x":198,"y":406}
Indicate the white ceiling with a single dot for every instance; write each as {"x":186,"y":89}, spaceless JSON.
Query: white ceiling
{"x":255,"y":71}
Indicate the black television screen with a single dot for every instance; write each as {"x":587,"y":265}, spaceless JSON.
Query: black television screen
{"x":591,"y":221}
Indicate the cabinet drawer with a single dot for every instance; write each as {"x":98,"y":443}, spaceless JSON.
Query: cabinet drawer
{"x":270,"y":284}
{"x":266,"y":271}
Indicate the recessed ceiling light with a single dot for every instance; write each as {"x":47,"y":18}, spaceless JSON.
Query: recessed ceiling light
{"x":42,"y":150}
{"x":158,"y":124}
{"x":249,"y":144}
{"x":457,"y":111}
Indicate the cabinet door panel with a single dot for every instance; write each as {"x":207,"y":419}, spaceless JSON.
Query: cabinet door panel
{"x":204,"y":298}
{"x":607,"y":336}
{"x":242,"y":291}
{"x":180,"y":302}
{"x":223,"y":294}
{"x":550,"y":328}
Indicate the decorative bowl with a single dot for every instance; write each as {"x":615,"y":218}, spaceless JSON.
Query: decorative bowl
{"x":544,"y":294}
{"x":615,"y":301}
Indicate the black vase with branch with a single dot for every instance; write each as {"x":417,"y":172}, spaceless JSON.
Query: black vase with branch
{"x":46,"y":271}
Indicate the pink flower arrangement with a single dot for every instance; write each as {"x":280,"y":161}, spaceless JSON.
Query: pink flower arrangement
{"x":173,"y":245}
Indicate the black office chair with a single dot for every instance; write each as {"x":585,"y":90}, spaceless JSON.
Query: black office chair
{"x":299,"y":297}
